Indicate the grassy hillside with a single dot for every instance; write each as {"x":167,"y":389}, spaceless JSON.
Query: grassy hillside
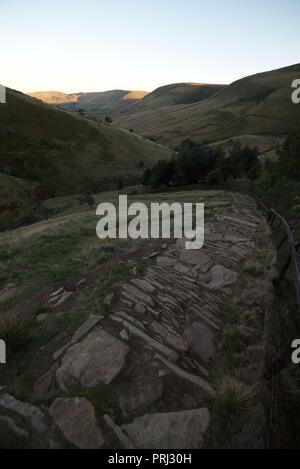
{"x":178,"y":93}
{"x":61,"y":153}
{"x":97,"y":104}
{"x":118,"y":102}
{"x":259,"y":105}
{"x":17,"y":196}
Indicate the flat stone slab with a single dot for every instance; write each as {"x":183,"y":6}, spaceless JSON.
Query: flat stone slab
{"x":240,"y":221}
{"x":203,"y":385}
{"x":76,"y":419}
{"x":173,"y":341}
{"x":198,"y":258}
{"x":97,"y":359}
{"x":161,"y":348}
{"x":166,"y":261}
{"x":236,"y":239}
{"x":140,"y":395}
{"x":89,"y":324}
{"x":144,"y":285}
{"x":201,"y":341}
{"x":135,"y":294}
{"x":176,"y":430}
{"x":219,"y":277}
{"x":118,"y":433}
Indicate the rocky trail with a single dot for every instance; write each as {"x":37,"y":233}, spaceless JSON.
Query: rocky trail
{"x":154,"y":349}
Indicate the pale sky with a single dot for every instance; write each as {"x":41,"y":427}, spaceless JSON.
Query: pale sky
{"x":96,"y":45}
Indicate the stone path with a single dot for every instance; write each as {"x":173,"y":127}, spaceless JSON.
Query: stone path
{"x":158,"y":353}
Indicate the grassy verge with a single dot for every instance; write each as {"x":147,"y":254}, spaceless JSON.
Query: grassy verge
{"x":239,"y":415}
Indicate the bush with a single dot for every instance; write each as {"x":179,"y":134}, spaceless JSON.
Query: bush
{"x":86,"y":199}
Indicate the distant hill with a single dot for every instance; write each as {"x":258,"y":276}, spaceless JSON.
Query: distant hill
{"x":56,"y":153}
{"x":257,"y":106}
{"x":178,"y":93}
{"x":97,"y":104}
{"x":117,"y":103}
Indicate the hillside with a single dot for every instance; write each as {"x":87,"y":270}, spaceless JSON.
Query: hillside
{"x":115,"y":103}
{"x":97,"y":104}
{"x":65,"y":153}
{"x":178,"y":93}
{"x":259,"y":105}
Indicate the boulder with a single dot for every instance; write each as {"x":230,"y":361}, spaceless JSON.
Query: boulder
{"x":201,"y":341}
{"x":220,"y":277}
{"x":176,"y":430}
{"x":139,"y":309}
{"x":97,"y":359}
{"x":77,"y":421}
{"x":24,"y":426}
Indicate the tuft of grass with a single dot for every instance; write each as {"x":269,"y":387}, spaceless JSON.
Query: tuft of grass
{"x":234,"y":401}
{"x":21,"y":387}
{"x":232,"y":345}
{"x":18,"y":335}
{"x":253,"y":268}
{"x":102,"y":397}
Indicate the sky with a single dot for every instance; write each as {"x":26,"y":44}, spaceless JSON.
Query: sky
{"x":96,"y":45}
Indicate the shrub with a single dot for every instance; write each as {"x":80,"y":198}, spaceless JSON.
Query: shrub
{"x":86,"y":199}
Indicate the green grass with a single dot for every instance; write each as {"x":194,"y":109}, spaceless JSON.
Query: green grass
{"x":234,"y":401}
{"x":102,"y":397}
{"x":54,"y":256}
{"x":239,"y":413}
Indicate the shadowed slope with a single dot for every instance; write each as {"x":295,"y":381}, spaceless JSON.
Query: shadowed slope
{"x":257,"y":105}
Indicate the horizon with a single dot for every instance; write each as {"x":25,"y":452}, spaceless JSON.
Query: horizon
{"x":151,"y":91}
{"x":98,"y":47}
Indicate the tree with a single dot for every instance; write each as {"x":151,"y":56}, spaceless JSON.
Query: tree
{"x":289,"y":157}
{"x":120,"y":183}
{"x":108,"y":120}
{"x":186,"y":145}
{"x":194,"y":162}
{"x":162,"y":173}
{"x":215,"y":177}
{"x":248,"y":158}
{"x":147,"y":177}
